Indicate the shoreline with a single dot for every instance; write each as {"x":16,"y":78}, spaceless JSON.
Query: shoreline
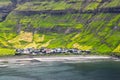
{"x":74,"y":58}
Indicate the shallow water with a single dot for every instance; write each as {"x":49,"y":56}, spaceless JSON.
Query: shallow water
{"x":102,"y":70}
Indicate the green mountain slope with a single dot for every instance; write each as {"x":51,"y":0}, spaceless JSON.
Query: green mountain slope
{"x":84,"y":24}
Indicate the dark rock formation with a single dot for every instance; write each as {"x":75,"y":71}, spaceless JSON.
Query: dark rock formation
{"x":71,"y":11}
{"x":5,"y":10}
{"x":19,"y":1}
{"x":56,"y":29}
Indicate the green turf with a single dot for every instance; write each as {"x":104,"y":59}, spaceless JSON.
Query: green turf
{"x":100,"y":30}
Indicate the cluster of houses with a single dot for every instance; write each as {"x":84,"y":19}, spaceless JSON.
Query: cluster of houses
{"x":44,"y":51}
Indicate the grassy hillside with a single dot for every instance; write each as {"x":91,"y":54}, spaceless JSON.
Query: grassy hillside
{"x":95,"y":31}
{"x":5,"y":3}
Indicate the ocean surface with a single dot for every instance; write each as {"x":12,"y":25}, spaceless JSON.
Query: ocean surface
{"x":99,"y":70}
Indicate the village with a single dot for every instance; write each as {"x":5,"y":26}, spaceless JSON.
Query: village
{"x":45,"y":51}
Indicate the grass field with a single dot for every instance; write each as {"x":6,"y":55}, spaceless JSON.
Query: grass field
{"x":7,"y":52}
{"x":98,"y":32}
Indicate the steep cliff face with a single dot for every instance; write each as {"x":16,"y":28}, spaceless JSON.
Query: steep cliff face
{"x":7,"y":6}
{"x":82,"y":24}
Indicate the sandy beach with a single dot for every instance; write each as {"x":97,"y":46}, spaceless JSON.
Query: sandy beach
{"x":53,"y":58}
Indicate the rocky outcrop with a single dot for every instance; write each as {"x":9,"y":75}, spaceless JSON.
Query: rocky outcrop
{"x":71,"y":11}
{"x":5,"y":10}
{"x":109,"y":10}
{"x":57,"y":29}
{"x":19,"y":1}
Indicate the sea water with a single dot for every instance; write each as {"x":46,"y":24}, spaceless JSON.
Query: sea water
{"x":101,"y":70}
